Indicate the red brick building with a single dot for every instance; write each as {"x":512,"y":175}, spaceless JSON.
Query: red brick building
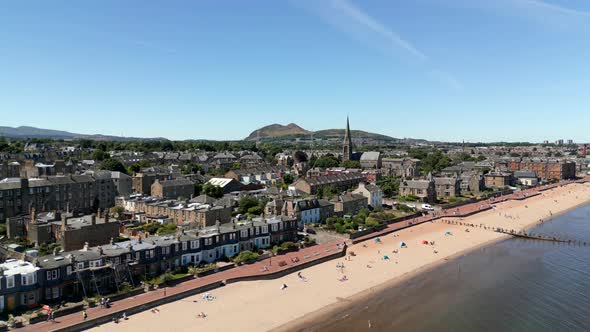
{"x":545,"y":168}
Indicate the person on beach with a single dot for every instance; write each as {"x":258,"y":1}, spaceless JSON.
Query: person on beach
{"x":84,"y":315}
{"x":284,"y":287}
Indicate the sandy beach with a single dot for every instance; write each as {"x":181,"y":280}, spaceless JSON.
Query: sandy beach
{"x":264,"y":305}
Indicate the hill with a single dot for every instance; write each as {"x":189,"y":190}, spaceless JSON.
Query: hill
{"x":33,"y":132}
{"x":277,"y":130}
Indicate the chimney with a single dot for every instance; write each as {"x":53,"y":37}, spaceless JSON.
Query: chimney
{"x":112,"y":241}
{"x":100,"y":252}
{"x":106,"y":217}
{"x":98,"y":213}
{"x":93,"y":219}
{"x":139,"y":239}
{"x":64,"y":222}
{"x":33,"y":216}
{"x":85,"y":248}
{"x":55,"y":251}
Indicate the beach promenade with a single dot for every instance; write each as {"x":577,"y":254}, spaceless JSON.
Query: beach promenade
{"x":263,"y":305}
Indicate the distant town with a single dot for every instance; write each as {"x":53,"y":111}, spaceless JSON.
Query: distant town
{"x":85,"y":218}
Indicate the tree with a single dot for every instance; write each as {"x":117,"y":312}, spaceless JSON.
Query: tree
{"x":100,"y":155}
{"x":417,"y":153}
{"x":327,"y":192}
{"x":113,"y":165}
{"x":288,"y":179}
{"x":212,"y":190}
{"x":246,"y":203}
{"x":246,"y":256}
{"x":435,"y":162}
{"x":133,"y":168}
{"x":198,"y":189}
{"x":191,"y":168}
{"x":389,"y":185}
{"x":327,"y":160}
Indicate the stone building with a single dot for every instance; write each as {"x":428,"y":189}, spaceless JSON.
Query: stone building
{"x":340,"y":182}
{"x":423,"y":189}
{"x":447,"y":187}
{"x":173,"y":188}
{"x":349,"y":204}
{"x":545,"y":169}
{"x":498,"y":179}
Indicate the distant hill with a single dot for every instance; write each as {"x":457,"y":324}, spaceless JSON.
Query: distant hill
{"x":277,"y":130}
{"x":292,"y":130}
{"x":32,"y":132}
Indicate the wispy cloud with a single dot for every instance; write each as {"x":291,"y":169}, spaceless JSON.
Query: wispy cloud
{"x":345,"y":16}
{"x":349,"y":18}
{"x":554,"y":8}
{"x":368,"y":22}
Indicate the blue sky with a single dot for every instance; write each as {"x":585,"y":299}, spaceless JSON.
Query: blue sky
{"x":477,"y":70}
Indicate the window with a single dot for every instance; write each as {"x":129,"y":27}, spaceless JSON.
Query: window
{"x":28,"y":279}
{"x":9,"y":281}
{"x":69,"y":270}
{"x":208,"y":241}
{"x":52,"y":275}
{"x":95,"y":263}
{"x":184,"y":245}
{"x":138,"y":255}
{"x":165,"y":250}
{"x":80,"y":266}
{"x":194,"y":244}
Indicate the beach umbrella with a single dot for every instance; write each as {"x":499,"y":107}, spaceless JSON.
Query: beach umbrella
{"x":424,"y":242}
{"x":448,"y":233}
{"x":402,"y":244}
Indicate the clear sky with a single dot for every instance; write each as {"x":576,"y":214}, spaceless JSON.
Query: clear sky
{"x":479,"y":70}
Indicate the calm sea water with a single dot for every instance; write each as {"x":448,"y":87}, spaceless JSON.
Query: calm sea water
{"x":514,"y":285}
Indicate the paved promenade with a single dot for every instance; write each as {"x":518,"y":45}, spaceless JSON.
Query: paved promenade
{"x":263,"y":269}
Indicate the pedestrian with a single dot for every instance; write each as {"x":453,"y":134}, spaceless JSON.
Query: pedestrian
{"x":84,"y":315}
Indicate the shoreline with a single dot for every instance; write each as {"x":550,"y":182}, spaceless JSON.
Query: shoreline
{"x":331,"y":298}
{"x":335,"y":311}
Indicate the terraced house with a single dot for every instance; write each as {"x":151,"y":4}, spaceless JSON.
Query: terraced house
{"x":100,"y":270}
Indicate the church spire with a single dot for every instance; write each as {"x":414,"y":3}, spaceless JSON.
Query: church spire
{"x":347,"y":144}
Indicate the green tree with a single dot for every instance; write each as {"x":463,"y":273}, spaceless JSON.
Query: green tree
{"x":113,"y":165}
{"x":133,"y":168}
{"x":247,"y":203}
{"x":288,"y":179}
{"x":327,"y":160}
{"x":246,"y":256}
{"x":435,"y":162}
{"x":351,"y":164}
{"x":212,"y":190}
{"x":100,"y":155}
{"x":389,"y":185}
{"x":191,"y":168}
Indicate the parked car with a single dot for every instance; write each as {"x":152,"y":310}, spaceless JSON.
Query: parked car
{"x":427,"y":207}
{"x":413,"y":206}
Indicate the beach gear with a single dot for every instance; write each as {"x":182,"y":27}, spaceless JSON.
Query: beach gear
{"x":424,"y":242}
{"x":402,"y":244}
{"x":447,"y":233}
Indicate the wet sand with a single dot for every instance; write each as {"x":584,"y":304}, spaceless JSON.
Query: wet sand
{"x":263,"y":305}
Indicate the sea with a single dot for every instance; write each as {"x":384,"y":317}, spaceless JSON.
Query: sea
{"x":513,"y":285}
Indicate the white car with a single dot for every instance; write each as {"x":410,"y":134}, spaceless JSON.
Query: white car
{"x":411,"y":206}
{"x":427,"y":207}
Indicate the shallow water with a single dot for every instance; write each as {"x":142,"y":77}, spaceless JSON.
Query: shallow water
{"x":514,"y":285}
